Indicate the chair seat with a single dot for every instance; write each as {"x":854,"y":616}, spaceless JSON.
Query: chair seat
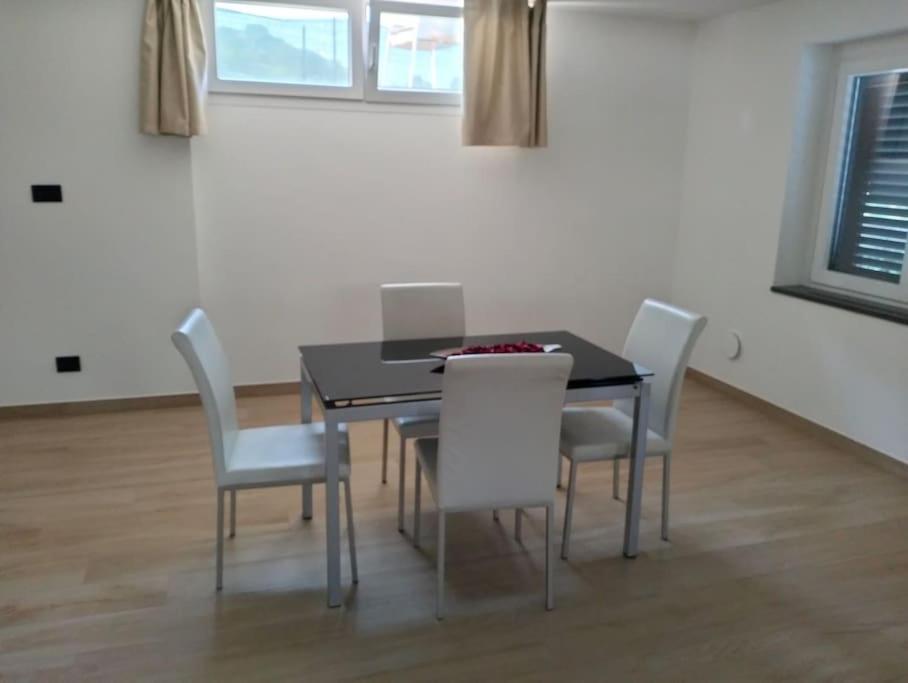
{"x":603,"y":434}
{"x":291,"y":453}
{"x":418,"y":427}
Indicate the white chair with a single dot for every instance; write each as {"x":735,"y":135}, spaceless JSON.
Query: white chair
{"x":419,"y":310}
{"x":499,"y":427}
{"x":252,"y":458}
{"x":661,"y":339}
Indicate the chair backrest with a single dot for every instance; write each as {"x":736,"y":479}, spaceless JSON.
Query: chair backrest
{"x":196,"y":340}
{"x":422,"y":310}
{"x":500,"y":423}
{"x":661,"y":339}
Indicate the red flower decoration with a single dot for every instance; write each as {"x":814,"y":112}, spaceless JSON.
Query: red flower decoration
{"x":519,"y":347}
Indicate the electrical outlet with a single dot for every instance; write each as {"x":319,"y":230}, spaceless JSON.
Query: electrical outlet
{"x":733,"y":345}
{"x":69,"y":364}
{"x":47,"y":193}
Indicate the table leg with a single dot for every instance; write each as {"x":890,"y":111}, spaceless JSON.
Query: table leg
{"x":635,"y":479}
{"x":332,"y":510}
{"x":306,"y":418}
{"x":305,"y":395}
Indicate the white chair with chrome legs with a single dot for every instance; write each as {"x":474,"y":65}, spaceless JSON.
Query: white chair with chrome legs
{"x":661,"y":339}
{"x":290,"y":455}
{"x":418,"y":310}
{"x":499,"y":427}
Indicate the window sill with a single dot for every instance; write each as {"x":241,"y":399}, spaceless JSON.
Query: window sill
{"x":360,"y":106}
{"x":893,"y":314}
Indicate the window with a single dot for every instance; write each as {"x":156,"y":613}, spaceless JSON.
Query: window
{"x":288,"y":48}
{"x":861,"y":245}
{"x":415,"y":53}
{"x":314,"y":48}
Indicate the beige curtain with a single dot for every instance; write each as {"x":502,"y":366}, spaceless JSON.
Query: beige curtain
{"x":504,"y":73}
{"x":172,"y":79}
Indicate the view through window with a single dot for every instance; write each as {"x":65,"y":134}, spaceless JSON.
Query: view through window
{"x":282,"y":44}
{"x":415,"y":50}
{"x":420,"y":53}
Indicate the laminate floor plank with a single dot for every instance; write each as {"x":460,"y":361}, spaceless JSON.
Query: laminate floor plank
{"x":788,"y":562}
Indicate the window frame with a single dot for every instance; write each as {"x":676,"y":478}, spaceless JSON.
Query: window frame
{"x":372,"y":92}
{"x":356,"y":12}
{"x":850,"y":69}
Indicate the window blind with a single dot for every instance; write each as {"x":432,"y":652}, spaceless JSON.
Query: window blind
{"x":872,"y":218}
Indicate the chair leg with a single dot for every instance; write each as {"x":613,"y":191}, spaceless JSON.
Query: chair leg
{"x":384,"y":454}
{"x":440,"y":555}
{"x":549,"y":564}
{"x":417,"y":501}
{"x":232,"y":513}
{"x":401,"y":484}
{"x":307,"y":501}
{"x":666,"y":490}
{"x":616,"y":478}
{"x":558,"y":481}
{"x":518,"y":525}
{"x":350,"y":531}
{"x":569,"y":510}
{"x":219,"y":552}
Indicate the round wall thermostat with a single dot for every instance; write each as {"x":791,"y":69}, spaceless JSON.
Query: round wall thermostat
{"x":733,"y":345}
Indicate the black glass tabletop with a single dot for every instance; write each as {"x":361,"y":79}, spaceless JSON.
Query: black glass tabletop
{"x":394,"y":369}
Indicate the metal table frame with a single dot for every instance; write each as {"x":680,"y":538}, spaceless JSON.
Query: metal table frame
{"x":379,"y":409}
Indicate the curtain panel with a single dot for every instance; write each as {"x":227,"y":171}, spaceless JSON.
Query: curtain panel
{"x":173,"y":69}
{"x":504,"y":73}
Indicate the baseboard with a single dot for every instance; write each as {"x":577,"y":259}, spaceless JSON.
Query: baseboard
{"x":115,"y":405}
{"x":271,"y":389}
{"x":118,"y":405}
{"x":871,"y":455}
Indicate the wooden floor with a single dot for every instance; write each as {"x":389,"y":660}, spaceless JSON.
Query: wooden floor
{"x":788,"y":561}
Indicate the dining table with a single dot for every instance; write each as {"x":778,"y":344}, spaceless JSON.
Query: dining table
{"x":365,"y":381}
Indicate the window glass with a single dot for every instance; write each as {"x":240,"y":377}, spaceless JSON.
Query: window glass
{"x":420,"y":53}
{"x":290,"y":44}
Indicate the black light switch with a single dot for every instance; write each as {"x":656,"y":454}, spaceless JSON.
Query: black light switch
{"x":69,"y":364}
{"x":47,"y":193}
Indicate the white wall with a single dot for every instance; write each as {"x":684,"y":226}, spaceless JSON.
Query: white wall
{"x":303,"y":209}
{"x":846,"y":371}
{"x":107,"y":273}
